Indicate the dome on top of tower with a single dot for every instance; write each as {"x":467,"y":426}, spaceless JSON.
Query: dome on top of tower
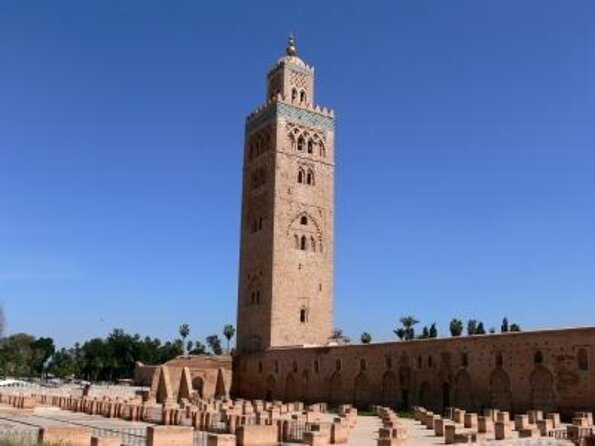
{"x":291,"y":54}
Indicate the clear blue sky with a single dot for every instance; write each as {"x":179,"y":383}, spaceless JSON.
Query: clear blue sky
{"x":465,"y":173}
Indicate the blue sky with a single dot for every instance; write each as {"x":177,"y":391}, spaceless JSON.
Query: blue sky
{"x":465,"y":171}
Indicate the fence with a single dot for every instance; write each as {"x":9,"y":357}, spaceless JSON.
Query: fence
{"x":19,"y":435}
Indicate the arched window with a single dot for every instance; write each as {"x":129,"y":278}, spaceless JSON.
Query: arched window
{"x":499,"y":360}
{"x":362,"y":364}
{"x":259,"y":367}
{"x":300,"y":143}
{"x":310,"y":178}
{"x":430,"y":364}
{"x":300,"y":176}
{"x":303,"y":316}
{"x":260,"y":223}
{"x":538,"y":357}
{"x":303,"y":243}
{"x":465,"y":360}
{"x":304,"y":220}
{"x":322,"y":150}
{"x":302,"y":96}
{"x":338,"y":364}
{"x":316,"y":366}
{"x":582,"y":359}
{"x":293,"y":95}
{"x":258,"y":297}
{"x":313,"y":244}
{"x":389,"y":362}
{"x":297,"y":241}
{"x":295,"y":367}
{"x":310,"y":146}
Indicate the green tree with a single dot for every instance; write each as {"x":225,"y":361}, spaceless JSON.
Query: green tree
{"x":407,"y":331}
{"x":184,"y":332}
{"x":425,"y":333}
{"x":366,"y":337}
{"x":480,"y":330}
{"x":515,"y":327}
{"x":471,"y":327}
{"x":504,"y":326}
{"x":339,"y":337}
{"x":229,"y":332}
{"x":43,"y":349}
{"x":433,"y":330}
{"x":63,"y":363}
{"x":214,"y":344}
{"x":199,"y":348}
{"x":456,"y":327}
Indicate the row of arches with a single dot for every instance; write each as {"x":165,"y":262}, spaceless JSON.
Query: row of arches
{"x":306,"y":243}
{"x":254,"y":298}
{"x":300,"y":96}
{"x":306,"y":141}
{"x":395,"y":389}
{"x":256,"y":223}
{"x":305,"y":176}
{"x":259,"y":143}
{"x":258,"y":178}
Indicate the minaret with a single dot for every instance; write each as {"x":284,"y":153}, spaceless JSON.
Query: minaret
{"x":285,"y":295}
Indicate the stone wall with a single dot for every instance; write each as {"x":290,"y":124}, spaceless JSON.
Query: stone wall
{"x":208,"y":377}
{"x":551,"y":370}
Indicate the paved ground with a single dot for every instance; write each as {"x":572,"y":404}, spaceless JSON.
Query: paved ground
{"x":364,"y":434}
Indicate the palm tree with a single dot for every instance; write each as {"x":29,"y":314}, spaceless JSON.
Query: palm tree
{"x":229,"y":332}
{"x":504,"y":326}
{"x":366,"y":337}
{"x":184,"y":332}
{"x":471,"y":327}
{"x":408,"y":322}
{"x":456,"y":327}
{"x":433,"y":331}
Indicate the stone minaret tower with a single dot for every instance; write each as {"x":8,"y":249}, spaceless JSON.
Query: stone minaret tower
{"x":285,"y":295}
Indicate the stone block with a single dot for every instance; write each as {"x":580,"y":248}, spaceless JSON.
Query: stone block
{"x":503,"y":416}
{"x":521,"y":422}
{"x":528,"y":432}
{"x":555,"y":417}
{"x":485,"y":425}
{"x":339,"y":433}
{"x":502,"y":430}
{"x":316,"y":439}
{"x":458,"y":416}
{"x":106,"y":441}
{"x":470,"y":420}
{"x":265,"y":435}
{"x":449,"y":433}
{"x":581,"y":422}
{"x":221,"y":440}
{"x":535,"y":416}
{"x":72,"y":436}
{"x":170,"y":436}
{"x":545,"y":427}
{"x":439,"y":424}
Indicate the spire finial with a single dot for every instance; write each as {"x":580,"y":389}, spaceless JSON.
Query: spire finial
{"x":291,"y":49}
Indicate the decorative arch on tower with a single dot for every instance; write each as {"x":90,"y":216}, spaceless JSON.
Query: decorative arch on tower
{"x":306,"y":140}
{"x":306,"y":232}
